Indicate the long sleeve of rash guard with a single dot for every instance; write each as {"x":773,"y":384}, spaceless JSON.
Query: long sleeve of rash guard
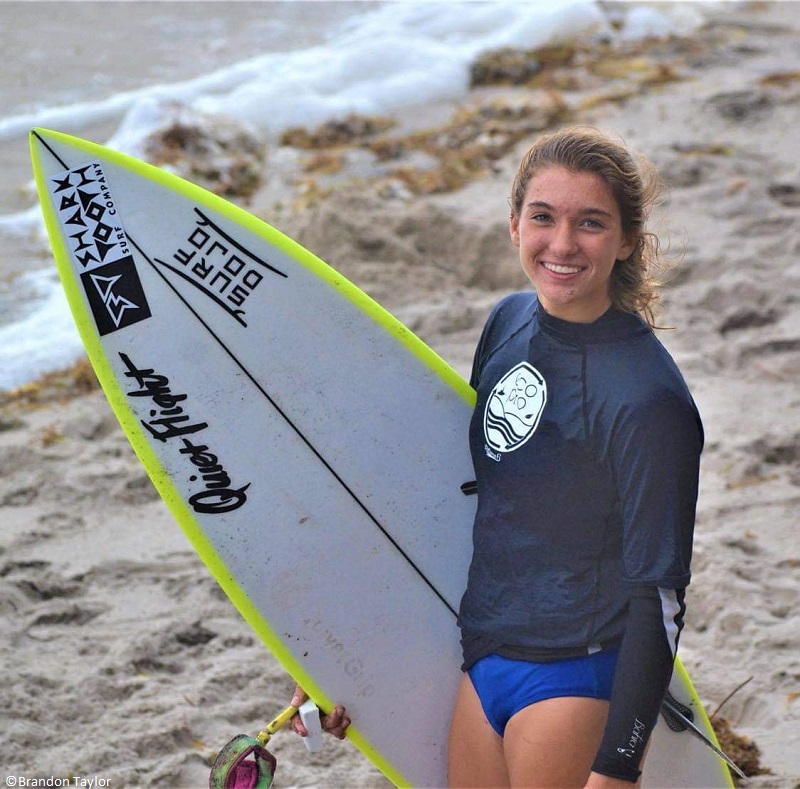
{"x":644,"y":669}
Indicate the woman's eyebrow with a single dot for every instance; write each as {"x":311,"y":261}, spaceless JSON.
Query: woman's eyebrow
{"x":585,"y":211}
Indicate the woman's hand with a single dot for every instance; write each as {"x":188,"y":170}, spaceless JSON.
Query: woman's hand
{"x":335,"y":722}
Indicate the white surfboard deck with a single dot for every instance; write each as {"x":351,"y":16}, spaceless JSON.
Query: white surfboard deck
{"x":312,"y":449}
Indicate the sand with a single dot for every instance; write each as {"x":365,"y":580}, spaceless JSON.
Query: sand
{"x":121,"y":659}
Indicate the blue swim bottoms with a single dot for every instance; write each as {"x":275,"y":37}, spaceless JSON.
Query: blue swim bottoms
{"x":505,"y":686}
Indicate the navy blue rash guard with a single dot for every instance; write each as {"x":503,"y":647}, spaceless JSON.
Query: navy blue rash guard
{"x":586,"y":446}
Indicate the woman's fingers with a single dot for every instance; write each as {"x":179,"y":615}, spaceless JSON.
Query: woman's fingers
{"x":335,"y":722}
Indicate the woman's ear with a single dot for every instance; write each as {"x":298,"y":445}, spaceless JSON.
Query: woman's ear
{"x":513,"y":226}
{"x":626,"y":248}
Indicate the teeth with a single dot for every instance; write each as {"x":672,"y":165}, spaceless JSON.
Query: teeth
{"x":561,"y":269}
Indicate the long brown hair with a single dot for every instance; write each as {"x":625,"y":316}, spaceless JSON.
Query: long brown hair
{"x":636,"y":187}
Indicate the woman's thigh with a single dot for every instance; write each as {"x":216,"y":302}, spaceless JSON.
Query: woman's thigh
{"x":475,"y":756}
{"x":553,"y":743}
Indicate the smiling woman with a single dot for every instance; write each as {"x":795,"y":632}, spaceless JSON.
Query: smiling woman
{"x":583,"y":533}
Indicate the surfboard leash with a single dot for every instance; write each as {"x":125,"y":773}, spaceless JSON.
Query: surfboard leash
{"x":235,"y":769}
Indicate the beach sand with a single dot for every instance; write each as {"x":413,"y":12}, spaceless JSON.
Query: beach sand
{"x":121,"y":659}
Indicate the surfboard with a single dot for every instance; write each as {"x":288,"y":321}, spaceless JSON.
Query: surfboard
{"x":313,"y":450}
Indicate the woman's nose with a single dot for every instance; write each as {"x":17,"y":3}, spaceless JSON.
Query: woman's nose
{"x":564,"y":241}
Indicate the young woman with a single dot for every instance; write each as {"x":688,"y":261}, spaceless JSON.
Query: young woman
{"x":586,"y":446}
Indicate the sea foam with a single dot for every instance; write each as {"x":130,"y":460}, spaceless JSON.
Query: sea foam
{"x":396,"y":56}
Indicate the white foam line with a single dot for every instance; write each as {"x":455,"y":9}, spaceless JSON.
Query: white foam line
{"x":45,"y":339}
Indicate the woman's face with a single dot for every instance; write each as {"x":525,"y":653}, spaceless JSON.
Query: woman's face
{"x":569,"y":236}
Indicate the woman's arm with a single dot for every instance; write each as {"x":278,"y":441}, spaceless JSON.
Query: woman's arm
{"x":644,"y":669}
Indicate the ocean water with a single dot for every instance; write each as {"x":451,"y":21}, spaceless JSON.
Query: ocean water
{"x":107,"y":71}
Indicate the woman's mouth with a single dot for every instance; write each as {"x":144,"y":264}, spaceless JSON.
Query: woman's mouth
{"x":560,"y":269}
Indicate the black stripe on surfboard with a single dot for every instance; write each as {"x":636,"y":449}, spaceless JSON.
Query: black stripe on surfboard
{"x":303,"y":437}
{"x":294,"y":427}
{"x":52,"y":152}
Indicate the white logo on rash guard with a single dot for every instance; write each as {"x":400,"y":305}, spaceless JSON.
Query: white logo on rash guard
{"x":635,"y":740}
{"x":513,"y":409}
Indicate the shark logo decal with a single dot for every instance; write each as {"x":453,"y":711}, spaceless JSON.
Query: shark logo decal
{"x":100,"y":249}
